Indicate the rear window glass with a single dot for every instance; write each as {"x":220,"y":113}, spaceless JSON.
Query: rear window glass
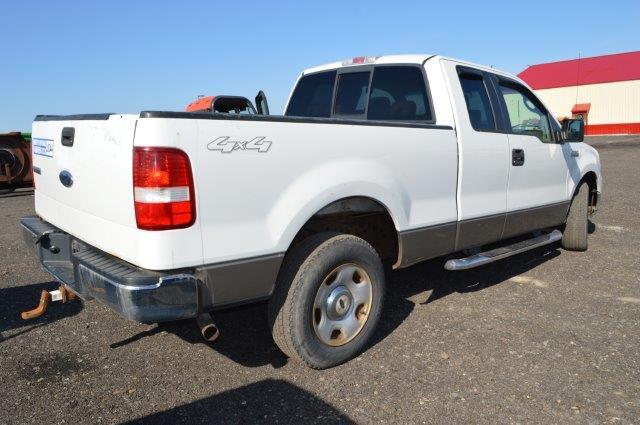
{"x":399,"y":93}
{"x":478,"y":104}
{"x":351,"y":98}
{"x":312,"y":96}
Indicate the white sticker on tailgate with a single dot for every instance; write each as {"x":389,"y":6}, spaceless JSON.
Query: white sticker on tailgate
{"x":42,"y":147}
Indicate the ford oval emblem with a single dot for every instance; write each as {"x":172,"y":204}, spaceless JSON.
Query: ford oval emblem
{"x":66,"y":178}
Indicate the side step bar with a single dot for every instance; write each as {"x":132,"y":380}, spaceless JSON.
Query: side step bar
{"x":503,"y":252}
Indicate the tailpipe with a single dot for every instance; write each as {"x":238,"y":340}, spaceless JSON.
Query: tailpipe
{"x":208,"y":328}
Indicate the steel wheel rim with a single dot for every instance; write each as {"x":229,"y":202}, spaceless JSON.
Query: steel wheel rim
{"x":342,"y":305}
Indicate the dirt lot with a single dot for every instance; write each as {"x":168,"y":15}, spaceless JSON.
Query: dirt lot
{"x":546,"y":337}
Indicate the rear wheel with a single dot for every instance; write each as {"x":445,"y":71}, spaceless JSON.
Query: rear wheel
{"x":574,"y":237}
{"x":328,"y":299}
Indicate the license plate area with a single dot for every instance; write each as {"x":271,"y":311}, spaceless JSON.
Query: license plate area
{"x":55,"y":248}
{"x":55,"y":254}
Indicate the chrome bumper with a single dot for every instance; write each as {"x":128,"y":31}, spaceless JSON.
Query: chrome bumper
{"x":137,"y":294}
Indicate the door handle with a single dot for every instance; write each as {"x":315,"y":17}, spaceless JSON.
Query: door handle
{"x":517,"y":157}
{"x":67,"y":136}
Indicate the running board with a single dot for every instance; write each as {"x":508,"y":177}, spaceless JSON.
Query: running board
{"x":503,"y":252}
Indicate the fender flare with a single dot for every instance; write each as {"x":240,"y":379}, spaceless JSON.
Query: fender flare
{"x":304,"y":198}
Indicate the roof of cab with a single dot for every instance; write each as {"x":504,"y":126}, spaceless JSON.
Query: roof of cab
{"x":389,"y":59}
{"x":396,"y":59}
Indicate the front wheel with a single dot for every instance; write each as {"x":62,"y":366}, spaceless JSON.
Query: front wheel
{"x":574,"y":237}
{"x":328,"y":299}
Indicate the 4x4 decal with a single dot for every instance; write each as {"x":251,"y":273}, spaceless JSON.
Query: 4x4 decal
{"x":224,"y":144}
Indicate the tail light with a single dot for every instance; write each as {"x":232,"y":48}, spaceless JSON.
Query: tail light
{"x":163,"y":190}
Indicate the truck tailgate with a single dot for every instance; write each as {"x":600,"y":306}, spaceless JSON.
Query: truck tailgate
{"x":87,"y":173}
{"x":84,"y":186}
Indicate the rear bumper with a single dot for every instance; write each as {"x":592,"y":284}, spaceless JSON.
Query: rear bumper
{"x":137,"y":294}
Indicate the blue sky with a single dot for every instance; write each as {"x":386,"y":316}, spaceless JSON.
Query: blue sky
{"x":116,"y":56}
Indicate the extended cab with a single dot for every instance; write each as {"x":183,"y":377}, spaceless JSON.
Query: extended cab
{"x":169,"y":215}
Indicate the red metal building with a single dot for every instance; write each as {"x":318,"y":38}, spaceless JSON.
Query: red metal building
{"x":603,"y":90}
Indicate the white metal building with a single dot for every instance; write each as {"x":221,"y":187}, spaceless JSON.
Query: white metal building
{"x":603,"y":90}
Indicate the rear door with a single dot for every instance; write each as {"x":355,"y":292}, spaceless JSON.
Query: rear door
{"x":484,"y":156}
{"x":537,"y":191}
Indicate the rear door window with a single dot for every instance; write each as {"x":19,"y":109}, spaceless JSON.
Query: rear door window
{"x":399,"y":93}
{"x":352,"y":93}
{"x":477,"y":100}
{"x":312,"y":96}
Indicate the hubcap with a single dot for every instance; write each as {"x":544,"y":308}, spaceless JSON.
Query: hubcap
{"x":338,"y":303}
{"x":342,"y":303}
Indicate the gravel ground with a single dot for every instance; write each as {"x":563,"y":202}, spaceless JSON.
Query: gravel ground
{"x":546,"y":337}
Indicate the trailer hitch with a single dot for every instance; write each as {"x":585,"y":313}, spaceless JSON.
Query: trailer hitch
{"x":47,"y":297}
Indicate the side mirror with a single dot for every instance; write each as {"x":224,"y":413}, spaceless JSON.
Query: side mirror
{"x":261,"y":103}
{"x":573,"y":130}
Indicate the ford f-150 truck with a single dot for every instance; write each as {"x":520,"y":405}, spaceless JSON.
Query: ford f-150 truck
{"x":171,"y":215}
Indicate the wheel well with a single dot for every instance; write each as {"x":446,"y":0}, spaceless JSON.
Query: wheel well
{"x":591,"y":180}
{"x":359,"y":216}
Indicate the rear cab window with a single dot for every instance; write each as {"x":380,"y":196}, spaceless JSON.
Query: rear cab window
{"x":312,"y":96}
{"x":352,"y":93}
{"x":399,"y":93}
{"x":377,"y":93}
{"x":476,"y":96}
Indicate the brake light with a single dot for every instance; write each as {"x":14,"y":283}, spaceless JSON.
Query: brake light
{"x":359,"y":60}
{"x":163,"y":191}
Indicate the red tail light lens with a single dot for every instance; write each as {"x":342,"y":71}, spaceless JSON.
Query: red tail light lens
{"x":163,"y":189}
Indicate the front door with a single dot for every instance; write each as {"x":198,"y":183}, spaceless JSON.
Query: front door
{"x":537,"y":190}
{"x":484,"y":157}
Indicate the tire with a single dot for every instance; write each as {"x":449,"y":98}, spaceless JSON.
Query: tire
{"x":318,"y":273}
{"x":14,"y":158}
{"x":574,"y":237}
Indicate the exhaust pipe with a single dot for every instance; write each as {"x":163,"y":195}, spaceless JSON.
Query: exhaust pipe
{"x":208,"y":328}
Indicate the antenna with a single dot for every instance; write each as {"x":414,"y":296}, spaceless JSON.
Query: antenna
{"x":578,"y":77}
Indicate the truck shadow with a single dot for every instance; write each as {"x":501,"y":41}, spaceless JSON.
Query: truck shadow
{"x":15,"y":194}
{"x":267,"y":401}
{"x":16,"y":299}
{"x":246,"y":338}
{"x":431,"y":276}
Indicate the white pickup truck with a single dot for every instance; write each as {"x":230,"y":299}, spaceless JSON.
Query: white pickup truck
{"x":170,"y":215}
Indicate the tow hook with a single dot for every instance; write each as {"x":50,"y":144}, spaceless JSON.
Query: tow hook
{"x":47,"y":297}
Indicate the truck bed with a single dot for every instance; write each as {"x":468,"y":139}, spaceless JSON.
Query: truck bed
{"x":248,"y":203}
